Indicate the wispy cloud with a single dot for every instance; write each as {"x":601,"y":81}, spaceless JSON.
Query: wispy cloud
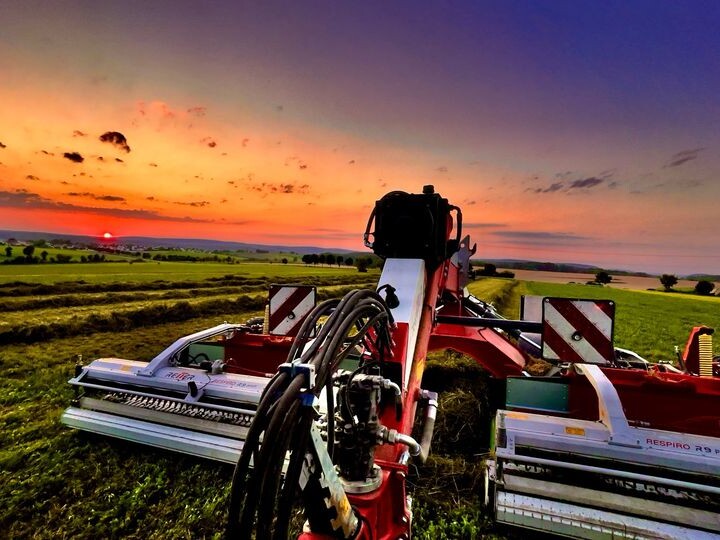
{"x":87,"y":194}
{"x":540,"y":237}
{"x":585,"y":183}
{"x":195,"y":204}
{"x":197,"y":111}
{"x":568,"y":186}
{"x":268,"y":187}
{"x":481,"y":225}
{"x":24,"y":199}
{"x":683,"y":157}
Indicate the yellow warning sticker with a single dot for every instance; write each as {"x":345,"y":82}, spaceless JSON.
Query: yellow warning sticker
{"x":575,"y":431}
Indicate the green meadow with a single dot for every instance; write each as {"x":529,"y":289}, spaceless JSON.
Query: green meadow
{"x":148,"y":271}
{"x":59,"y":483}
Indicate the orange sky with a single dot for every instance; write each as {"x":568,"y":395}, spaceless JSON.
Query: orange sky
{"x":263,"y":125}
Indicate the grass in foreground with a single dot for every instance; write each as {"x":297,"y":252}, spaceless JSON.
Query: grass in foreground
{"x":55,"y":482}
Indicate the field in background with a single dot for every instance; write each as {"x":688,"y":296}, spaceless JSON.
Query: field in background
{"x":56,"y":482}
{"x":649,"y":322}
{"x":156,"y":270}
{"x":618,"y":282}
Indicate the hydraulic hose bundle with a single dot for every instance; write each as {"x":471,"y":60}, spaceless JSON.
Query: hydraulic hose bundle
{"x":261,"y":501}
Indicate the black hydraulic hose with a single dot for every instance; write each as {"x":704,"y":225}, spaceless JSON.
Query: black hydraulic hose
{"x":272,"y":471}
{"x":304,"y":333}
{"x":292,"y":477}
{"x":284,"y":420}
{"x":261,"y":464}
{"x":240,"y":476}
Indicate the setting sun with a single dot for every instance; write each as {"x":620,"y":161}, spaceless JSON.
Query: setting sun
{"x":107,"y":236}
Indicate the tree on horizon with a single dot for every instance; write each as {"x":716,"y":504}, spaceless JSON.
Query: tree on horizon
{"x":668,"y":281}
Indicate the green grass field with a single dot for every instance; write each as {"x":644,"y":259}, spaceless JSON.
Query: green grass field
{"x":648,"y":322}
{"x":59,"y":483}
{"x":154,"y":270}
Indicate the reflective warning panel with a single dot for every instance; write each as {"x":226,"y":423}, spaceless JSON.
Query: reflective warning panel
{"x":578,"y":330}
{"x":289,"y":305}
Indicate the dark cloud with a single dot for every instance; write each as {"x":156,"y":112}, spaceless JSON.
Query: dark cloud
{"x":108,"y":198}
{"x":74,"y":156}
{"x":152,"y":164}
{"x":552,"y":188}
{"x":683,"y":157}
{"x":119,"y":160}
{"x":117,"y":139}
{"x":442,"y":169}
{"x":25,"y":199}
{"x":78,"y":133}
{"x":195,"y":204}
{"x":279,"y":108}
{"x":539,"y":236}
{"x":586,"y":183}
{"x":245,"y":142}
{"x":46,"y":153}
{"x":197,"y":111}
{"x":302,"y":166}
{"x":556,"y":186}
{"x":266,"y":187}
{"x":481,"y":225}
{"x":31,"y":177}
{"x":100,"y":158}
{"x":3,"y":145}
{"x":351,"y":162}
{"x":209,"y":141}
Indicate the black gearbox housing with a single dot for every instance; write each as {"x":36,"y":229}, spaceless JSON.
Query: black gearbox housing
{"x":413,"y":226}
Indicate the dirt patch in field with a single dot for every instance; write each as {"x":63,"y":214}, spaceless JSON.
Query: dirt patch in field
{"x":637,"y":283}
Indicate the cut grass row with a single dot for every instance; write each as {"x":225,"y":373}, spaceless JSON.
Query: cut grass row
{"x":16,"y":288}
{"x":57,"y":483}
{"x":44,"y":324}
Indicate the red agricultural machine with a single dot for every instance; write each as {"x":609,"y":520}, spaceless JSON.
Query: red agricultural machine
{"x":316,"y":404}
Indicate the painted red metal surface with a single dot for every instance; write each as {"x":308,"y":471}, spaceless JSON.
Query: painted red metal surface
{"x":667,"y":401}
{"x":256,"y":354}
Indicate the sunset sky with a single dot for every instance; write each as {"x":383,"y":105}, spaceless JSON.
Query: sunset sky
{"x":574,"y":131}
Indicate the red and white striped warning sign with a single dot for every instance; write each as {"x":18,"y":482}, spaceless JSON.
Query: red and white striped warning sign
{"x":578,"y":330}
{"x":289,"y":305}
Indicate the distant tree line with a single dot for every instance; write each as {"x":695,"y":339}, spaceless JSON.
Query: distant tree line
{"x":330,"y":259}
{"x":703,"y":287}
{"x":490,"y":270}
{"x":180,"y":257}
